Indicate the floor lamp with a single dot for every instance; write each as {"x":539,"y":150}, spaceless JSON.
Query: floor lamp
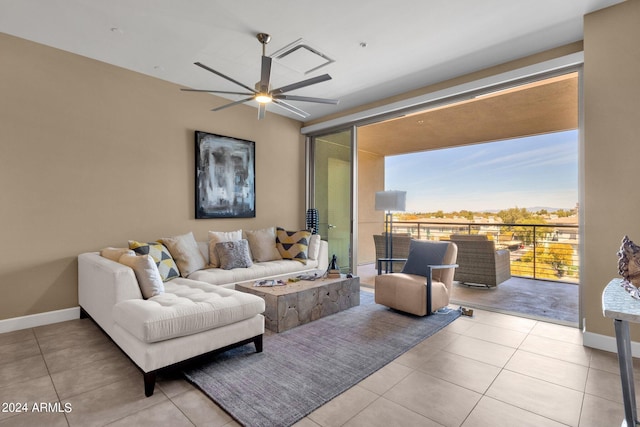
{"x":389,"y":201}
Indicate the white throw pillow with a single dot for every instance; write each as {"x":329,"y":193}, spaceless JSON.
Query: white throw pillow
{"x":263,"y":244}
{"x":184,"y":251}
{"x":218,"y":237}
{"x":314,"y":246}
{"x":146,"y":271}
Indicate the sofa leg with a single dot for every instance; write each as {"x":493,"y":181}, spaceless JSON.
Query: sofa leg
{"x":258,"y":342}
{"x":149,"y":382}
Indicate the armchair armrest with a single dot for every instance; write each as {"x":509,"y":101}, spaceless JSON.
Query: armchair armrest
{"x":429,"y":280}
{"x":442,"y":266}
{"x":388,"y":261}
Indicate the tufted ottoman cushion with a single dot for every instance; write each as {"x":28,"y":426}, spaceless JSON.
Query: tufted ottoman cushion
{"x":187,"y":307}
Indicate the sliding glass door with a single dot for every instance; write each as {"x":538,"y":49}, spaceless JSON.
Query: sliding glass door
{"x":332,"y":193}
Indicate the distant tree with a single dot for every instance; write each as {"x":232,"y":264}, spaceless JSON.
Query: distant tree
{"x":439,"y":214}
{"x":562,"y":213}
{"x":522,"y":216}
{"x":514,"y":215}
{"x":466,"y":214}
{"x":542,"y":212}
{"x":560,"y":256}
{"x":405,"y":216}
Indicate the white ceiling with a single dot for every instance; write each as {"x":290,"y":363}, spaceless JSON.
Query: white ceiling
{"x":409,"y":43}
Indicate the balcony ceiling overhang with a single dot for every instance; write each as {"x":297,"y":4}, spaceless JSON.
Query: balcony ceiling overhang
{"x":536,"y":108}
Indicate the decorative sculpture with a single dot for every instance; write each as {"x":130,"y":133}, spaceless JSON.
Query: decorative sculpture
{"x":333,"y":271}
{"x":629,"y":266}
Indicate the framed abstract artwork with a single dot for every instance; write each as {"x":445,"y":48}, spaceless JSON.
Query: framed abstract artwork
{"x":225,"y":177}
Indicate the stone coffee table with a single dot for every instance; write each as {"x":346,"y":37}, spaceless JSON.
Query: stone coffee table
{"x":301,"y":302}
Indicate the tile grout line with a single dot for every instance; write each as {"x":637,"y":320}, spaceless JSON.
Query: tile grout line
{"x":46,"y":365}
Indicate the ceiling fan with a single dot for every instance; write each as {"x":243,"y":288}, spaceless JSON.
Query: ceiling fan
{"x":263,"y":93}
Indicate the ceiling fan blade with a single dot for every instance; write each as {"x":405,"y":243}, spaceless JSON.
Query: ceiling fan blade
{"x":231,"y":104}
{"x":265,"y":74}
{"x":224,"y":77}
{"x":291,"y":108}
{"x":303,"y":83}
{"x":262,"y":109}
{"x":307,"y":99}
{"x":216,"y":91}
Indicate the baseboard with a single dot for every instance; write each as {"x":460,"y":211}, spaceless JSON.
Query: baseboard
{"x":40,"y":319}
{"x":607,"y":343}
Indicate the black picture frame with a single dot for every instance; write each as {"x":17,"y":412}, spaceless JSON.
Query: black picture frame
{"x":224,"y":176}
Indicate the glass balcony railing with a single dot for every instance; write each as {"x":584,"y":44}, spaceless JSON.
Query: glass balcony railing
{"x":537,"y":251}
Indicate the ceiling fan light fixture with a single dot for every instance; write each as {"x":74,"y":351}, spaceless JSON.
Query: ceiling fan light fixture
{"x":263,"y":94}
{"x":263,"y":98}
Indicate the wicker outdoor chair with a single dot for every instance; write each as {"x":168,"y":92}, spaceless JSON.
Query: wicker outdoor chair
{"x":400,"y":249}
{"x":479,"y":262}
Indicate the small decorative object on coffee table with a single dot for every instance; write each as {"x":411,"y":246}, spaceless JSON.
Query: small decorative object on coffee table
{"x":334,"y":271}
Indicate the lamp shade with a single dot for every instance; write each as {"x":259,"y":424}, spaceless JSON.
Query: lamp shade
{"x":391,"y":200}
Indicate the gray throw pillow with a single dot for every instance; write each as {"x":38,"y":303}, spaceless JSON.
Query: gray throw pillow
{"x":234,"y":254}
{"x":422,"y":254}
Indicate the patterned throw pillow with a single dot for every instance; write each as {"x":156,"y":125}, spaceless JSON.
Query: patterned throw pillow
{"x":166,"y":265}
{"x":293,"y":244}
{"x":234,"y":254}
{"x":217,"y":237}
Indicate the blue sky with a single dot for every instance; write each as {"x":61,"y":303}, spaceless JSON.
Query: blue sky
{"x":536,"y":171}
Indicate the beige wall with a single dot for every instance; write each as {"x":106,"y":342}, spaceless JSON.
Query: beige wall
{"x":370,"y":221}
{"x":611,"y":206}
{"x":93,"y":155}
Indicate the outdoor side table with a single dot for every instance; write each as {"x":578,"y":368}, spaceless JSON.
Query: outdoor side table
{"x":617,"y":304}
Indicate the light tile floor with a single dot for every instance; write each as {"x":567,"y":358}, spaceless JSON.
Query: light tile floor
{"x":489,"y":370}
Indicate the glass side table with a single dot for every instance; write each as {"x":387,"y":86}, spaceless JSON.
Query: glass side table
{"x":617,"y":304}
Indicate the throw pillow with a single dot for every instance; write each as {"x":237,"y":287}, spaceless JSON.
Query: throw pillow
{"x":314,"y":247}
{"x":217,"y":237}
{"x":234,"y":254}
{"x":146,"y":271}
{"x":263,"y":244}
{"x":160,"y":254}
{"x":114,"y":254}
{"x":185,"y":252}
{"x":422,"y":254}
{"x":293,"y":244}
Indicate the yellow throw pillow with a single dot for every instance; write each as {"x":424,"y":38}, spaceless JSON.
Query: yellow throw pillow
{"x":161,"y":255}
{"x":293,"y":244}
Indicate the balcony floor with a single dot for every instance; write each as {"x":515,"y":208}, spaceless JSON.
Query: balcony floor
{"x":536,"y":299}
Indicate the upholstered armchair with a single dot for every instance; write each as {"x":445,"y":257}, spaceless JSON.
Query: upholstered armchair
{"x":425,"y":283}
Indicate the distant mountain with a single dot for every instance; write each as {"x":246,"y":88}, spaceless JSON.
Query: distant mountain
{"x":548,"y":209}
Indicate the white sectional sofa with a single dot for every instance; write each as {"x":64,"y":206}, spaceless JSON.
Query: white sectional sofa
{"x":194,"y":315}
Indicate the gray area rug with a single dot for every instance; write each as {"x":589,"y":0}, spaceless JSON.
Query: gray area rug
{"x":305,"y":367}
